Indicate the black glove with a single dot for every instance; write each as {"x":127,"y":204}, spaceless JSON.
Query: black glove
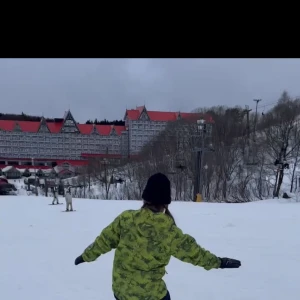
{"x":79,"y":260}
{"x":229,"y":263}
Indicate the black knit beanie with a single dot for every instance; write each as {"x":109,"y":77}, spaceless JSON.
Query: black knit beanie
{"x":158,"y":190}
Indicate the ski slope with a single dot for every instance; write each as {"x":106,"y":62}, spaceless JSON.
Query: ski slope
{"x":39,"y":244}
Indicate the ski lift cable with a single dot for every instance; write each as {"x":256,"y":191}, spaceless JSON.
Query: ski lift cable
{"x":267,"y":104}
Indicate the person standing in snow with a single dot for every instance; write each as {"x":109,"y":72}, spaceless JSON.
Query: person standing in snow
{"x":55,"y":196}
{"x":145,"y":239}
{"x":68,"y":198}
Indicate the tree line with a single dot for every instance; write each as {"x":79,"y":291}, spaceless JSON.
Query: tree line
{"x":247,"y":157}
{"x":31,"y":118}
{"x":106,"y":122}
{"x":23,"y":117}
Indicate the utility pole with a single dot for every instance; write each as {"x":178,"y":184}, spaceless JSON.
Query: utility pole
{"x":247,"y":111}
{"x":200,"y":169}
{"x":257,"y":101}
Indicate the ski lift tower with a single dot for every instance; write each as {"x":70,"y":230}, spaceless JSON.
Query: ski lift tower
{"x":203,"y":131}
{"x":179,"y":157}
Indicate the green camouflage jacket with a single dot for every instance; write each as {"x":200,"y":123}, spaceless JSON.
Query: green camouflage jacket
{"x":144,"y":243}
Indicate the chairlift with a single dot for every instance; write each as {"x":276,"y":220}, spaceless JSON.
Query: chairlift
{"x":120,"y":180}
{"x":284,"y":164}
{"x":180,"y":162}
{"x":181,"y":166}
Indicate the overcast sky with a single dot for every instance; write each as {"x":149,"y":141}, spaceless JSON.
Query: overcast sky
{"x":104,"y":88}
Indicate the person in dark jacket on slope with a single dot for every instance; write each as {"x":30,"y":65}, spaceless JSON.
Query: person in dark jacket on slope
{"x":145,"y":239}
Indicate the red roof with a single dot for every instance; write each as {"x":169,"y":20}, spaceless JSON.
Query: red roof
{"x":71,"y":162}
{"x":58,"y":161}
{"x":162,"y":116}
{"x":104,"y":129}
{"x":134,"y":114}
{"x":3,"y":180}
{"x":55,"y":127}
{"x":39,"y":159}
{"x":85,"y":128}
{"x":7,"y":125}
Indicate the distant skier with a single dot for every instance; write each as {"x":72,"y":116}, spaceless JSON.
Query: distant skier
{"x":145,"y":239}
{"x":68,"y":198}
{"x":55,"y":196}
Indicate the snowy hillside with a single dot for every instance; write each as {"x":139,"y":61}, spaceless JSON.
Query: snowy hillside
{"x":39,"y":244}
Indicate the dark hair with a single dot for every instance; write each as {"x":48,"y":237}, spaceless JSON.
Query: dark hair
{"x":158,"y":208}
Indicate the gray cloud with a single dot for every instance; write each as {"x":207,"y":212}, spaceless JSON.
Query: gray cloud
{"x":103,"y":88}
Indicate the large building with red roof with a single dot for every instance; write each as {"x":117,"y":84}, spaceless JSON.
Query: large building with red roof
{"x":65,"y":141}
{"x":142,"y":125}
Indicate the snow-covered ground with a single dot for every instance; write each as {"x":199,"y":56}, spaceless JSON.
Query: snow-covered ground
{"x":39,"y":244}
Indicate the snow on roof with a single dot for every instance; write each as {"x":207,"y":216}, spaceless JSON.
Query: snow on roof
{"x":8,"y":168}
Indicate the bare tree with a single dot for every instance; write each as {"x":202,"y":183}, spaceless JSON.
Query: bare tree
{"x":280,"y":124}
{"x":85,"y":177}
{"x":103,"y":171}
{"x":240,"y":168}
{"x":295,"y":153}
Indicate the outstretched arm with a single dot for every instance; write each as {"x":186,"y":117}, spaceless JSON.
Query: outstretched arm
{"x":185,"y":248}
{"x":105,"y":242}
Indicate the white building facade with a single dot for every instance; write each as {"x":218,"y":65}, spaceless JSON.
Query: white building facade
{"x":50,"y":143}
